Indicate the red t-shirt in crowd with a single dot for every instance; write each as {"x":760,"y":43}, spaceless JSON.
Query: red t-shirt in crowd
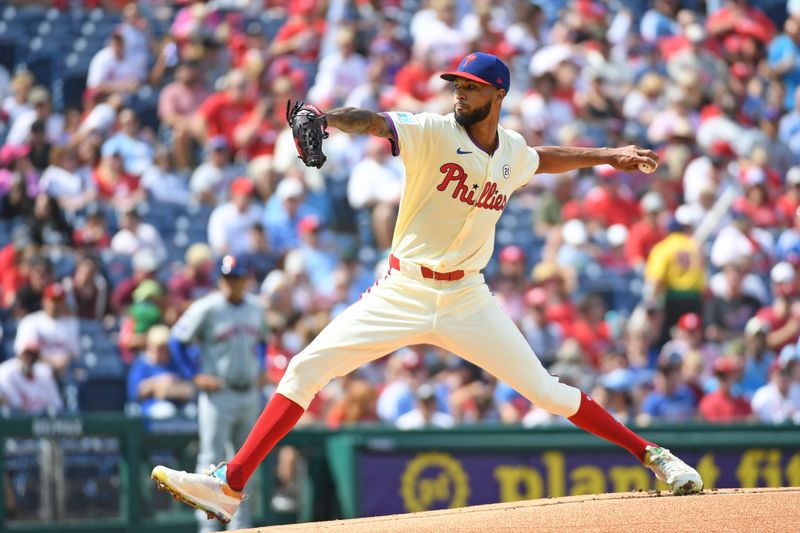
{"x":593,"y":339}
{"x":719,"y":406}
{"x":600,"y":205}
{"x":222,"y":114}
{"x":295,"y":25}
{"x":787,"y":207}
{"x":641,"y":239}
{"x":413,"y":80}
{"x":769,"y":316}
{"x":125,"y":185}
{"x":263,"y":142}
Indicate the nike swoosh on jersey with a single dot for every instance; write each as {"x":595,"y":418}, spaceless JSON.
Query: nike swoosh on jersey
{"x":461,"y":152}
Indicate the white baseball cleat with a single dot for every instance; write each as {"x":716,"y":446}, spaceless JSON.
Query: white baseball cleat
{"x":681,"y":478}
{"x":208,"y":492}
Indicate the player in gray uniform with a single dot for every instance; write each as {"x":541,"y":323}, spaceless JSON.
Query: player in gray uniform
{"x":230,"y":328}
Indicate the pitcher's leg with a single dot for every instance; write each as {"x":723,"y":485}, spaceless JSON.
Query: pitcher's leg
{"x":489,"y":338}
{"x":379,"y":323}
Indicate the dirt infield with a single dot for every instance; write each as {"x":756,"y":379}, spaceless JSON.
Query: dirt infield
{"x":725,"y":510}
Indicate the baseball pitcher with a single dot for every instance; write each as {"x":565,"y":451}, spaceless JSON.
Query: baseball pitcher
{"x":461,"y":170}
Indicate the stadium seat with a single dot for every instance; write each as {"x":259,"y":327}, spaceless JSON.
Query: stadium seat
{"x":102,"y":395}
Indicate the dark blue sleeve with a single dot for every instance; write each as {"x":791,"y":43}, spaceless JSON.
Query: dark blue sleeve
{"x":184,"y":358}
{"x":135,"y":376}
{"x":261,"y":353}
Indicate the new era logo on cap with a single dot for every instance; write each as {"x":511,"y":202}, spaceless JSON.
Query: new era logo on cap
{"x":482,"y":68}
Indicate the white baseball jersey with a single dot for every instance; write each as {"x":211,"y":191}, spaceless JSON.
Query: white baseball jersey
{"x":31,"y":394}
{"x":53,"y":335}
{"x":454,"y":190}
{"x":453,"y":195}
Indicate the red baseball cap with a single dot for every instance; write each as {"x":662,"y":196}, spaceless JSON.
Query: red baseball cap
{"x":512,"y":254}
{"x":242,"y":187}
{"x":54,"y":291}
{"x":308,"y":224}
{"x":726,"y":365}
{"x":690,"y":322}
{"x":536,"y":297}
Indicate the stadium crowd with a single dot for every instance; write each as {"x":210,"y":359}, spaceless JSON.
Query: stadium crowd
{"x":131,"y":163}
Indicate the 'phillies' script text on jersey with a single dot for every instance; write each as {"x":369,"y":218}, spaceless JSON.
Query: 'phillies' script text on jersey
{"x":489,"y":197}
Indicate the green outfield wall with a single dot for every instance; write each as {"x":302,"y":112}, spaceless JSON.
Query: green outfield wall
{"x":90,"y":473}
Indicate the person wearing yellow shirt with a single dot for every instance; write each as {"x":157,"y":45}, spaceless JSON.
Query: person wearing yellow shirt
{"x":675,"y":272}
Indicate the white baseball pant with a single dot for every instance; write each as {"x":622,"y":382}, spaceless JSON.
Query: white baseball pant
{"x":404,"y":308}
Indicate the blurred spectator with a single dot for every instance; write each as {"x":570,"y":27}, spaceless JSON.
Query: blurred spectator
{"x":222,"y":111}
{"x":283,"y":213}
{"x":590,"y":329}
{"x":779,"y":400}
{"x":210,"y":181}
{"x":194,"y":279}
{"x":356,"y":405}
{"x":551,"y":203}
{"x":259,"y":256}
{"x":38,"y":275}
{"x":27,"y":384}
{"x":576,"y":255}
{"x":17,"y":177}
{"x":41,"y":109}
{"x":609,"y":203}
{"x":645,"y":101}
{"x":255,"y":135}
{"x":543,"y":336}
{"x":93,"y":235}
{"x":55,"y":332}
{"x":659,"y":21}
{"x":112,"y":70}
{"x":162,"y":181}
{"x":375,"y":185}
{"x":676,"y":271}
{"x":16,"y":103}
{"x":789,"y":201}
{"x":301,"y":34}
{"x":13,"y":268}
{"x":101,"y":118}
{"x":127,"y":143}
{"x":425,"y":414}
{"x":144,"y":313}
{"x":319,"y":263}
{"x":230,"y":222}
{"x":740,"y":26}
{"x":177,"y":103}
{"x":726,"y":315}
{"x":612,"y":258}
{"x":782,"y":317}
{"x":136,"y":34}
{"x":542,"y":111}
{"x":723,"y":405}
{"x":646,"y":232}
{"x":40,"y":146}
{"x":145,"y":266}
{"x":64,"y":181}
{"x":339,"y":73}
{"x":87,"y":290}
{"x":153,"y":382}
{"x":672,"y":400}
{"x":114,"y":185}
{"x":758,"y":358}
{"x":48,"y":225}
{"x":135,"y":235}
{"x":782,"y":58}
{"x":435,"y":33}
{"x":509,"y":284}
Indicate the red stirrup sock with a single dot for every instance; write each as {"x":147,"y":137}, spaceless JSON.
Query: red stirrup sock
{"x":279,"y":416}
{"x":597,"y":421}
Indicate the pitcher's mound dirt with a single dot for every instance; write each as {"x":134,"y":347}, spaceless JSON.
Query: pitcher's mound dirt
{"x":724,"y":511}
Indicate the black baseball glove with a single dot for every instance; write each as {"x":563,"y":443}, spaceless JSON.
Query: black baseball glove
{"x":308,"y":127}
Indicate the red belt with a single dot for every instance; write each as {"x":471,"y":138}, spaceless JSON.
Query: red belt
{"x":427,"y":273}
